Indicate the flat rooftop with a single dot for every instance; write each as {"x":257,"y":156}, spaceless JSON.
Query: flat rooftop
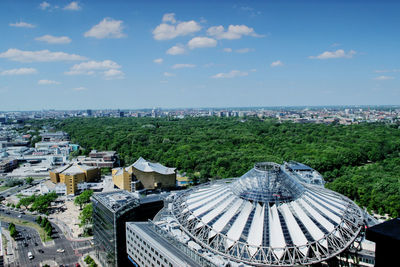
{"x":115,"y":200}
{"x":161,"y":244}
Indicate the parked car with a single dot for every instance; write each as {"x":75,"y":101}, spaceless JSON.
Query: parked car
{"x":60,"y":250}
{"x":30,"y":255}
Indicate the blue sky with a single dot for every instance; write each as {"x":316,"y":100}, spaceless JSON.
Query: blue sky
{"x":63,"y":54}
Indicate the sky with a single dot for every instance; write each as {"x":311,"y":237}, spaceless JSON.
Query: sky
{"x":63,"y":54}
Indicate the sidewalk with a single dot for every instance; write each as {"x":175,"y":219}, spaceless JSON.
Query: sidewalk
{"x":67,"y":231}
{"x":9,"y":256}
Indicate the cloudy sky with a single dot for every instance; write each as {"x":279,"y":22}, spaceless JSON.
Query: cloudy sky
{"x":63,"y":54}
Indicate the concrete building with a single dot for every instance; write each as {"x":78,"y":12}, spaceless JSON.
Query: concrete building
{"x":56,"y":136}
{"x":101,"y":159}
{"x":73,"y":174}
{"x":122,"y":179}
{"x":149,"y":175}
{"x":8,"y":164}
{"x":111,"y":211}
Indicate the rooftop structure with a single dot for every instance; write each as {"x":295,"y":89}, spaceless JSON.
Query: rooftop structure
{"x":146,"y":166}
{"x":56,"y":136}
{"x":268,"y":217}
{"x":304,"y":173}
{"x":144,"y":174}
{"x":73,"y":174}
{"x":101,"y":159}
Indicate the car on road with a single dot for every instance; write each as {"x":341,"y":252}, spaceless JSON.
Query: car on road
{"x":60,"y":250}
{"x":25,"y":244}
{"x":30,"y":255}
{"x":19,"y":216}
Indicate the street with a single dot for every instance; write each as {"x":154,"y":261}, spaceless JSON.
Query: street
{"x":29,"y":241}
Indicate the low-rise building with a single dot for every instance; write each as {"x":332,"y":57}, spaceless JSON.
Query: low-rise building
{"x":144,"y":174}
{"x":101,"y":159}
{"x":73,"y":174}
{"x":8,"y":164}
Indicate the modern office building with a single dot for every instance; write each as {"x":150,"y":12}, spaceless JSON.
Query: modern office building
{"x":111,"y":211}
{"x":73,"y":174}
{"x":267,"y":217}
{"x":144,"y":174}
{"x":101,"y":159}
{"x":387,"y":238}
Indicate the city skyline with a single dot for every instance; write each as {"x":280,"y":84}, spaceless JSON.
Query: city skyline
{"x":68,"y":55}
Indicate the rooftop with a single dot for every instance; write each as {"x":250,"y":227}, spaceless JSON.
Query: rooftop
{"x":146,"y":166}
{"x":116,"y":200}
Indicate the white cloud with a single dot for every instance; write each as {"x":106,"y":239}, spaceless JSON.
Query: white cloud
{"x":340,"y":53}
{"x":74,"y":6}
{"x":228,"y":50}
{"x":20,"y":71}
{"x":47,"y":82}
{"x":277,"y":63}
{"x":244,"y":50}
{"x":44,"y":5}
{"x":107,"y":28}
{"x":89,"y":68}
{"x":39,"y":56}
{"x":201,"y":42}
{"x":80,"y":88}
{"x":181,"y":66}
{"x":158,"y":60}
{"x":231,"y":74}
{"x":113,"y":74}
{"x":233,"y":32}
{"x":54,"y":39}
{"x":383,"y":78}
{"x":176,"y":50}
{"x":22,"y":24}
{"x":168,"y":74}
{"x":166,"y":31}
{"x":169,"y":17}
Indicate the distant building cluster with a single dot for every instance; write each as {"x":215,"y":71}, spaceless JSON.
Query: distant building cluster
{"x":332,"y":114}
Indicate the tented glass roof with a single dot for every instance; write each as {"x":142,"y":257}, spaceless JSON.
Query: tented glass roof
{"x":267,"y":183}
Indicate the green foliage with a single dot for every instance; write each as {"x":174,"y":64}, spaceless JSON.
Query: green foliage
{"x":29,"y":180}
{"x":86,"y":215}
{"x":375,"y":186}
{"x":39,"y":220}
{"x":13,"y":182}
{"x":39,"y":203}
{"x":13,"y":230}
{"x":83,"y":198}
{"x":228,"y":147}
{"x":88,"y":260}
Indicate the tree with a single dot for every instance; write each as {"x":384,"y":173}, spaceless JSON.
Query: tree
{"x":86,"y":215}
{"x":39,"y":220}
{"x":13,"y":230}
{"x":29,"y":180}
{"x":83,"y":198}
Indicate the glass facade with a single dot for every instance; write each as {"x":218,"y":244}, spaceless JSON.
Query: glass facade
{"x":111,"y":211}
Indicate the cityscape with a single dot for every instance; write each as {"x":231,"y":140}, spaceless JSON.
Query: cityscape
{"x":199,"y":133}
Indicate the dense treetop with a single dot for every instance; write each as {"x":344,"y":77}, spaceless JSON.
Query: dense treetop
{"x":227,"y":147}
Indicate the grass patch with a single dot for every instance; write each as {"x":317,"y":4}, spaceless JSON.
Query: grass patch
{"x":2,"y":188}
{"x":21,"y":222}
